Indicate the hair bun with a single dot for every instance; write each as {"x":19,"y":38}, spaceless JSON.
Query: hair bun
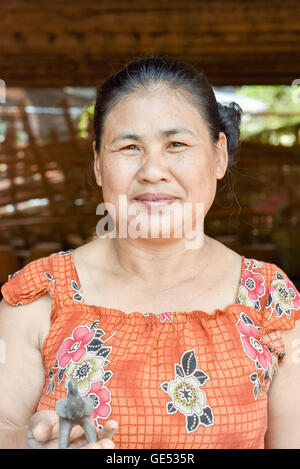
{"x":230,"y":120}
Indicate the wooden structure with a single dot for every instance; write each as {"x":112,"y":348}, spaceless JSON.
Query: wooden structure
{"x":78,"y":43}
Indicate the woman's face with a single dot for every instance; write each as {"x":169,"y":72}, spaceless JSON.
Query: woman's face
{"x":156,"y":141}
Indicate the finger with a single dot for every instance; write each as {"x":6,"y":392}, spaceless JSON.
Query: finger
{"x":108,"y":430}
{"x":106,"y":444}
{"x":77,"y":432}
{"x":103,"y":444}
{"x":91,"y":446}
{"x":78,"y":436}
{"x":33,"y":443}
{"x":104,"y":437}
{"x":79,"y":439}
{"x":44,"y":425}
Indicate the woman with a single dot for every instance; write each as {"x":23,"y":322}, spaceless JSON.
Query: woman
{"x":176,"y":344}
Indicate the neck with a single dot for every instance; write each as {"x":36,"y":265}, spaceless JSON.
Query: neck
{"x":164,"y":266}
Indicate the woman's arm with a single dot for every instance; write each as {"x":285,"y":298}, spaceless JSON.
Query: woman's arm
{"x":284,"y":396}
{"x":22,"y":330}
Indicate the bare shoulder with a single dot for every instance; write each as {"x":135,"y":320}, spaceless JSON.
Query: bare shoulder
{"x":90,"y":250}
{"x":225,"y":259}
{"x":90,"y":255}
{"x":22,"y":332}
{"x":228,"y":253}
{"x":33,"y":319}
{"x":289,"y":370}
{"x":283,"y":396}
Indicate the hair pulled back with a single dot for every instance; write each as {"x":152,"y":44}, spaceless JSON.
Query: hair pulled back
{"x":152,"y":70}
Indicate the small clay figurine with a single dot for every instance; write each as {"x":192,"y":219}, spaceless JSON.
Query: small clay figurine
{"x":75,"y":410}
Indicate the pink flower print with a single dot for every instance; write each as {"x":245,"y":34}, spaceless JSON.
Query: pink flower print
{"x":253,"y":284}
{"x":101,"y":397}
{"x":252,"y":347}
{"x":164,"y":316}
{"x":73,"y":348}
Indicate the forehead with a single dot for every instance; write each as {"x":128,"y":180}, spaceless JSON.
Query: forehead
{"x":152,"y":108}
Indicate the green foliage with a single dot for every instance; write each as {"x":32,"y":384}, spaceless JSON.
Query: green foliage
{"x":278,"y":126}
{"x":83,"y":122}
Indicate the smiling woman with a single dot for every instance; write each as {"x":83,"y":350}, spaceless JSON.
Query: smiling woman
{"x":186,"y":134}
{"x":176,"y":347}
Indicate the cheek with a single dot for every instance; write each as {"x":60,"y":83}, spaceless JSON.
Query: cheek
{"x":199,"y":180}
{"x":115,"y":180}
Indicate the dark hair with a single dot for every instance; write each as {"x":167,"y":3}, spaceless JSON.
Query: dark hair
{"x":180,"y":76}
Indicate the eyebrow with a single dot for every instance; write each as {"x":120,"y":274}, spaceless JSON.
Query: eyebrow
{"x":162,"y":133}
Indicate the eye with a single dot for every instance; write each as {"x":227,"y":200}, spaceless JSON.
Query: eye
{"x":129,"y":147}
{"x":177,"y":144}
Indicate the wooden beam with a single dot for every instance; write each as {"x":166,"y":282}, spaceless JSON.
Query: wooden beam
{"x":73,"y":43}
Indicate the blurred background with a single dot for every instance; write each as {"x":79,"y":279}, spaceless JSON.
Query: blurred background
{"x":53,"y":56}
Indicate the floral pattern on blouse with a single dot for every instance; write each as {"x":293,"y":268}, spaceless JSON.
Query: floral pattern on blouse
{"x":168,"y":316}
{"x":283,"y":297}
{"x":82,"y":358}
{"x":74,"y":347}
{"x":51,"y":285}
{"x":163,"y":317}
{"x":78,"y":295}
{"x":186,"y":395}
{"x":252,"y":285}
{"x":265,"y":361}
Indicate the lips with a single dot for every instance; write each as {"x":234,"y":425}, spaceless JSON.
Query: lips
{"x":151,"y":196}
{"x":156,"y":200}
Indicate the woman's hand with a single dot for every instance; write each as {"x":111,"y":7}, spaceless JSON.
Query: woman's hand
{"x":43,"y":433}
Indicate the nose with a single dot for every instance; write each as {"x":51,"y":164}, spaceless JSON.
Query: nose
{"x":154,"y":167}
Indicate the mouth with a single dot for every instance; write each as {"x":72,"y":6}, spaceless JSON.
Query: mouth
{"x":155,"y":203}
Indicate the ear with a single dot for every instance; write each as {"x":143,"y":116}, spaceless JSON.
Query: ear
{"x":97,"y":169}
{"x":221,"y":155}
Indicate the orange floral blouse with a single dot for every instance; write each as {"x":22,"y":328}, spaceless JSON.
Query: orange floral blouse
{"x":181,"y":380}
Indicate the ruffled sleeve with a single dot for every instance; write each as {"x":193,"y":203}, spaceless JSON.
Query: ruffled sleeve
{"x":281,"y":310}
{"x":29,"y":283}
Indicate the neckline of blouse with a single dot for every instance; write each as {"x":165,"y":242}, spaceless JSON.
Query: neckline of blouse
{"x":158,"y":315}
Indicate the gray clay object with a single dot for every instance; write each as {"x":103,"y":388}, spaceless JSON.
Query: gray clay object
{"x":75,"y":410}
